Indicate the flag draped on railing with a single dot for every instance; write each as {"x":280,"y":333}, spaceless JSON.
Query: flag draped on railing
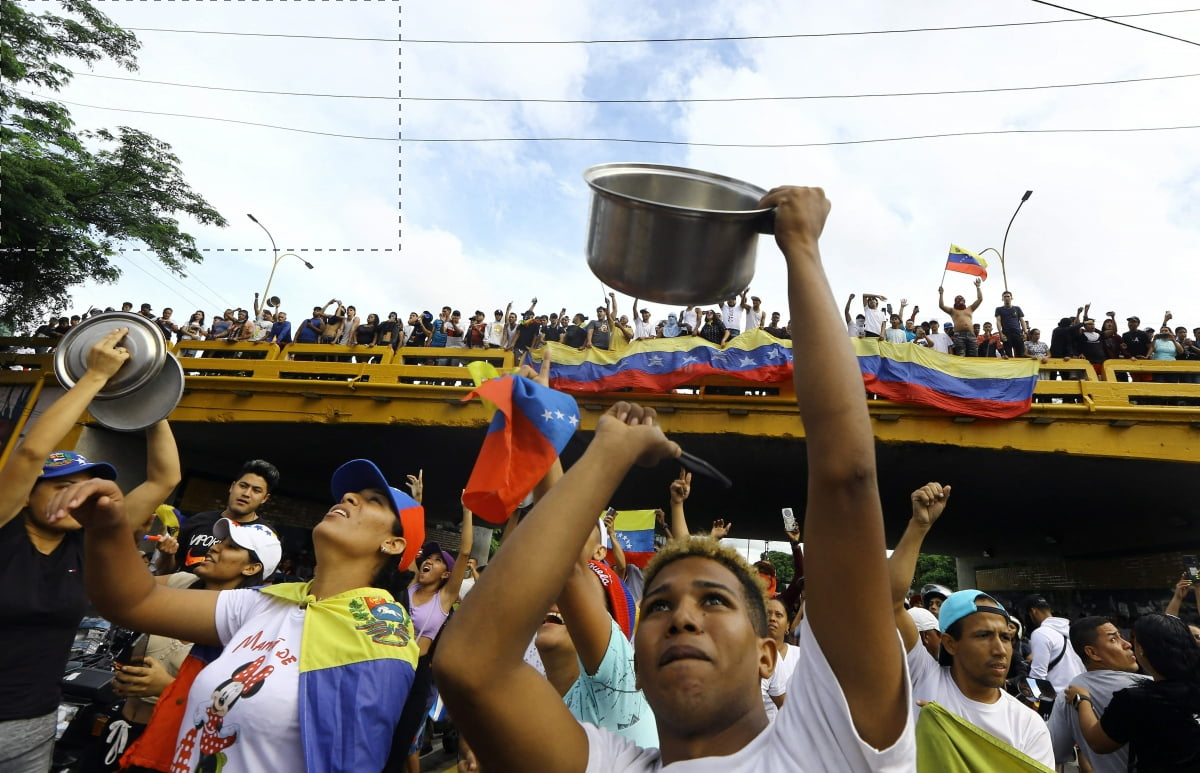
{"x":969,"y":386}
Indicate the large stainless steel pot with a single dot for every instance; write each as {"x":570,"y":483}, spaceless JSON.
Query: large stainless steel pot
{"x":673,"y":235}
{"x":146,"y":388}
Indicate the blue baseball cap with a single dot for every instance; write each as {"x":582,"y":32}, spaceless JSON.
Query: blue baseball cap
{"x":359,"y":474}
{"x":960,"y":604}
{"x":62,"y":463}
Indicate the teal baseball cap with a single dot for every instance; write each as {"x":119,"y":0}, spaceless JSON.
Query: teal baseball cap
{"x":961,"y":604}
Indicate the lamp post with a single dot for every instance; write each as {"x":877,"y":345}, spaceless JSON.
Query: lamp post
{"x":278,"y":258}
{"x":1000,"y":252}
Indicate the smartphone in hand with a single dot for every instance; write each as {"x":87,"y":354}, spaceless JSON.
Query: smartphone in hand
{"x":789,"y":520}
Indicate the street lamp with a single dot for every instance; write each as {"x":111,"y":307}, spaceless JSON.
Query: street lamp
{"x":1003,"y":270}
{"x":278,"y":258}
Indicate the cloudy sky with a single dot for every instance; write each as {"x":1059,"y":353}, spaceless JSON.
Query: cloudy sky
{"x":1114,"y":218}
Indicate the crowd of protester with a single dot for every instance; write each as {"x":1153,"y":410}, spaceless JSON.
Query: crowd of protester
{"x":1008,"y":334}
{"x":559,"y":654}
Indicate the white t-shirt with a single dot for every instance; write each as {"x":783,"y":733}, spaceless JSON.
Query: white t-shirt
{"x":940,"y":342}
{"x":495,"y":334}
{"x":876,"y":319}
{"x":855,"y":330}
{"x":643,"y":329}
{"x":778,"y":683}
{"x":754,"y":319}
{"x":691,"y":318}
{"x":895,"y":335}
{"x":1047,"y":642}
{"x":1007,"y":719}
{"x":245,"y":704}
{"x":730,"y":314}
{"x":813,"y":732}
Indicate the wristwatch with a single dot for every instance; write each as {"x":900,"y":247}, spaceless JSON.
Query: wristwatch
{"x":1080,"y":698}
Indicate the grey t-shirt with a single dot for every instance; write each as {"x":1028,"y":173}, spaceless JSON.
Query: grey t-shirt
{"x":1064,"y":721}
{"x":601,"y":333}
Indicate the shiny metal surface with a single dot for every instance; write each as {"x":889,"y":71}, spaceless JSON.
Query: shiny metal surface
{"x":147,"y":349}
{"x":146,"y":407}
{"x":673,"y":235}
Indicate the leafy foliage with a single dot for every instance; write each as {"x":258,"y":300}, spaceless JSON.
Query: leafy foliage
{"x":935,"y":568}
{"x":69,"y":199}
{"x":783,"y":568}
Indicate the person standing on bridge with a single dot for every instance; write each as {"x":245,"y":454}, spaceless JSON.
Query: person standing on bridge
{"x":965,"y":342}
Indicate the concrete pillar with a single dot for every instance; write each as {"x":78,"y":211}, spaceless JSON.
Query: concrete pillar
{"x":966,"y":572}
{"x":483,"y":544}
{"x":124,"y":450}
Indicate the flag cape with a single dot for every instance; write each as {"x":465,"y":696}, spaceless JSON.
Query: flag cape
{"x":635,"y":534}
{"x":965,"y":262}
{"x":946,"y":743}
{"x":358,"y":657}
{"x":986,"y":388}
{"x":531,"y":426}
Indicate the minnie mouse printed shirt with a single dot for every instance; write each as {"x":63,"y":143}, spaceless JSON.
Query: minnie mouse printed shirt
{"x":242,"y":712}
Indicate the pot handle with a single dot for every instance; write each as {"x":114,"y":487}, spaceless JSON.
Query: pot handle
{"x":765,"y":223}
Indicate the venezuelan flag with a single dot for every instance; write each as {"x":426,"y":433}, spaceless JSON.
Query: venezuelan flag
{"x":635,"y":533}
{"x":985,"y":388}
{"x":965,"y":262}
{"x":531,"y":427}
{"x":661,"y":364}
{"x":947,"y":743}
{"x":970,"y":386}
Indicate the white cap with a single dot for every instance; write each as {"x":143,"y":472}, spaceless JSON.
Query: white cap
{"x":252,"y":536}
{"x":924,"y":619}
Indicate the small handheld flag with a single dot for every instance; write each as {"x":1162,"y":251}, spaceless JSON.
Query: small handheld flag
{"x":965,"y":262}
{"x":530,"y":429}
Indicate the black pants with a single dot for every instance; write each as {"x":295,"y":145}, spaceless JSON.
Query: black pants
{"x":1013,"y":344}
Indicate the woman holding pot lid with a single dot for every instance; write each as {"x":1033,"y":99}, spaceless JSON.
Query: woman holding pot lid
{"x":41,"y":561}
{"x":298,"y":658}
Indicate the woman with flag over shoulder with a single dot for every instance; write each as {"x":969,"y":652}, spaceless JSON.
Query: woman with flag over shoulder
{"x":299,"y":659}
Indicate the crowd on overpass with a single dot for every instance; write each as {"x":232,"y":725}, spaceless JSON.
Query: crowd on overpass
{"x":706,"y":664}
{"x":1008,"y":332}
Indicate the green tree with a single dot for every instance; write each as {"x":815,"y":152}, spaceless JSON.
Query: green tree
{"x":935,"y":568}
{"x":71,"y":198}
{"x":783,"y":568}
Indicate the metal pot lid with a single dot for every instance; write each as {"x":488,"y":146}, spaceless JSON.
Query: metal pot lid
{"x":676,"y":188}
{"x":147,"y":349}
{"x":146,"y":407}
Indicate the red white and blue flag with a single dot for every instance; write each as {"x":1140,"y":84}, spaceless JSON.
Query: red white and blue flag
{"x":531,"y":427}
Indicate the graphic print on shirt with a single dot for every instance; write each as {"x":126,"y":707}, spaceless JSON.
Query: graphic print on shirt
{"x":209,"y":729}
{"x":384,"y":621}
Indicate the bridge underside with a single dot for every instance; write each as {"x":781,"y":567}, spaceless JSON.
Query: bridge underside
{"x":1009,"y":504}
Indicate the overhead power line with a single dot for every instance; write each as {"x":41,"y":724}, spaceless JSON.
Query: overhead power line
{"x":680,"y":100}
{"x":1113,"y":19}
{"x":628,"y":140}
{"x":707,"y":39}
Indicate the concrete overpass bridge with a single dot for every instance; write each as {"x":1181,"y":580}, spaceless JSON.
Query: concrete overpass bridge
{"x":1099,"y":480}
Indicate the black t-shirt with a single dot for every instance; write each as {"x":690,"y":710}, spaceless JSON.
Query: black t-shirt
{"x":1158,"y":721}
{"x":1091,"y":346}
{"x":1010,"y":318}
{"x":1136,"y":342}
{"x":527,"y":333}
{"x":196,"y":537}
{"x":575,"y":336}
{"x":552,"y":333}
{"x":1062,"y":341}
{"x":42,"y":602}
{"x":387,"y":331}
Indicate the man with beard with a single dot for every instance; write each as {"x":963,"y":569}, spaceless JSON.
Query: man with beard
{"x":965,"y":342}
{"x":968,"y":677}
{"x":249,"y":492}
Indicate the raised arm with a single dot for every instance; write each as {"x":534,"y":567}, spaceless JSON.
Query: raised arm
{"x":19,"y":475}
{"x":163,"y":474}
{"x":617,"y":553}
{"x":116,"y":579}
{"x":844,"y":521}
{"x":681,"y":489}
{"x":510,"y":601}
{"x":978,"y":294}
{"x":846,"y":311}
{"x":586,"y":616}
{"x":942,"y":300}
{"x":1181,"y":591}
{"x":453,"y":586}
{"x":928,"y":502}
